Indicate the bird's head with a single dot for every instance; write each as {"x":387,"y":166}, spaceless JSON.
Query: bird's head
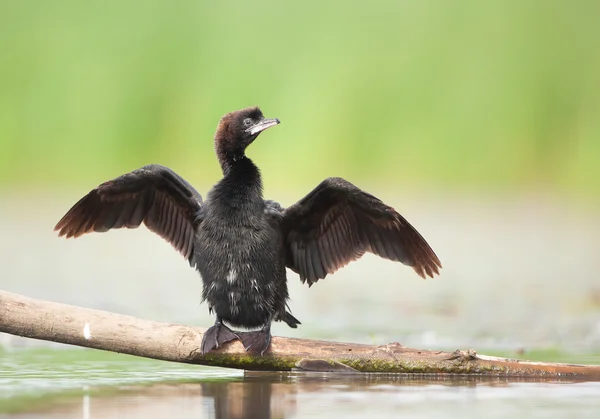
{"x":237,"y":130}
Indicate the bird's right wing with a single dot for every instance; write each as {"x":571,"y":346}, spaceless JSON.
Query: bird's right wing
{"x":153,"y":194}
{"x":337,"y":223}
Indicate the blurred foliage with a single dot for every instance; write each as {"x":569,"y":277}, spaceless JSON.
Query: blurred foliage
{"x":458,"y":94}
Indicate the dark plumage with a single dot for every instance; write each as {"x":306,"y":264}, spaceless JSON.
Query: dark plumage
{"x":240,"y":243}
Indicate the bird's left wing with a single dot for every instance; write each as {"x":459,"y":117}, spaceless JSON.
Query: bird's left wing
{"x":337,"y":223}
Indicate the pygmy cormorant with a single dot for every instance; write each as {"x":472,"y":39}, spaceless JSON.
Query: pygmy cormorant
{"x":241,"y":243}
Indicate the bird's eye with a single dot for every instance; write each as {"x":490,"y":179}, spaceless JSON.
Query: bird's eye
{"x":247,"y":122}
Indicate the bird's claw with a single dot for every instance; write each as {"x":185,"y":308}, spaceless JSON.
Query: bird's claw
{"x":215,"y":337}
{"x":256,"y":341}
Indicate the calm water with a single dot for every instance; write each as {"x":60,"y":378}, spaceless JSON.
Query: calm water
{"x":92,"y":384}
{"x":289,"y":395}
{"x":519,"y":274}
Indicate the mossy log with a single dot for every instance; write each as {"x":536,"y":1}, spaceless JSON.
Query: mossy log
{"x":23,"y":316}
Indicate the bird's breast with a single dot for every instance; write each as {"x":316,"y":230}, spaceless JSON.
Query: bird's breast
{"x":232,"y":251}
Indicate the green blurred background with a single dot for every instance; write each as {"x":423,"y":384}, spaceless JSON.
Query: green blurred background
{"x":466,"y":95}
{"x":479,"y":121}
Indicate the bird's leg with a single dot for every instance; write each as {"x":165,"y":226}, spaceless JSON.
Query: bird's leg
{"x":257,"y":341}
{"x":216,"y":336}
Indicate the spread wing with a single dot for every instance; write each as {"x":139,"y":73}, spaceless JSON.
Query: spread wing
{"x":153,"y":194}
{"x":337,"y":223}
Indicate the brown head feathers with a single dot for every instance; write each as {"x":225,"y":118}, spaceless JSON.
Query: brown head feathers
{"x":237,"y":130}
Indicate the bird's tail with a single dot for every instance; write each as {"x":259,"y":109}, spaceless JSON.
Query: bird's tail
{"x":289,"y":319}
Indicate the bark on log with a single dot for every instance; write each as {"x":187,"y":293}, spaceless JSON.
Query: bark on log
{"x":23,"y":316}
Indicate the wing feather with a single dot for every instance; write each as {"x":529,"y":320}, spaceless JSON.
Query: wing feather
{"x":153,"y":195}
{"x":337,"y":223}
{"x":326,"y":250}
{"x":316,"y":258}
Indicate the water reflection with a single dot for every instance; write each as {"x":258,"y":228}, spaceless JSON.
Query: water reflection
{"x":287,"y":395}
{"x":249,"y":400}
{"x":276,"y":395}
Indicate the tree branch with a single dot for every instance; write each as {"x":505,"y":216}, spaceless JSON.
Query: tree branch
{"x":113,"y":332}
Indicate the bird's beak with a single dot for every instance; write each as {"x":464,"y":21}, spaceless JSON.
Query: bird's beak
{"x":262,"y":125}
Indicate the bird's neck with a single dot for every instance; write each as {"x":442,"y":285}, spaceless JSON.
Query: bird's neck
{"x":231,"y":159}
{"x":240,"y":173}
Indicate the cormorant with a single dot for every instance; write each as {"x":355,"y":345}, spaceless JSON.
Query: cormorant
{"x":241,"y":243}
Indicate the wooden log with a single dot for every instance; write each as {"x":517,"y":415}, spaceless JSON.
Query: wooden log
{"x":38,"y":319}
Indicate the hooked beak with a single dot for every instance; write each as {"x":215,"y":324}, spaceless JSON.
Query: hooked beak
{"x":262,"y":125}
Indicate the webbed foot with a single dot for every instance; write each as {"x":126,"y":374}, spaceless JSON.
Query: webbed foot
{"x":257,"y":341}
{"x":215,"y":337}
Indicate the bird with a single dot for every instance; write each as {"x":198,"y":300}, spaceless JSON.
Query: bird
{"x":240,"y":243}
